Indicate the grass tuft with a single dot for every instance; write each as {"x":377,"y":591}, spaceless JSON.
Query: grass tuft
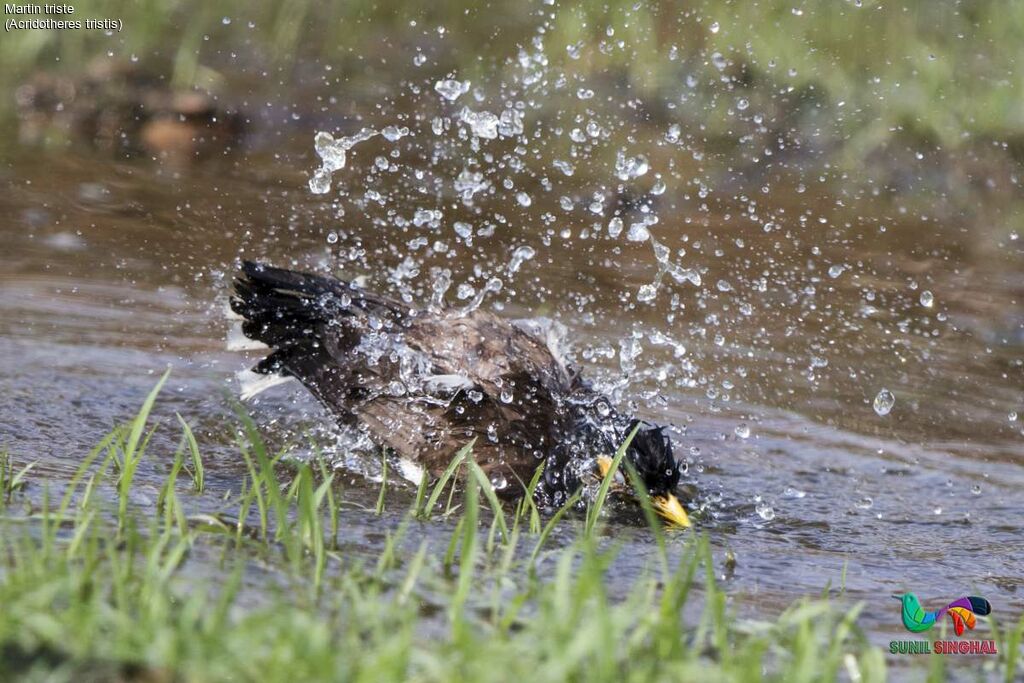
{"x":11,"y":481}
{"x":99,"y":588}
{"x":594,"y":511}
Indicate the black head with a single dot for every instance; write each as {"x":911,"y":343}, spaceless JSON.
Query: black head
{"x":571,"y":462}
{"x":650,"y":453}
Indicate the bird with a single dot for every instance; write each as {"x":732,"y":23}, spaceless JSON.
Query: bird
{"x":962,"y":611}
{"x":424,"y":382}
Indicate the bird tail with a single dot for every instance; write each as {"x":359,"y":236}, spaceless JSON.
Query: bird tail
{"x":979,"y":606}
{"x":963,"y":611}
{"x":291,"y":312}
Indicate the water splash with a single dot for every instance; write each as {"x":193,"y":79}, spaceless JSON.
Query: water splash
{"x":333,"y":153}
{"x":630,"y":168}
{"x":520,"y":256}
{"x":884,"y":402}
{"x":483,"y":124}
{"x":451,"y":89}
{"x":493,"y":285}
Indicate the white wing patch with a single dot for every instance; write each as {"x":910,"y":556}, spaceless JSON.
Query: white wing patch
{"x":252,"y":383}
{"x":228,"y":313}
{"x":410,"y":471}
{"x":237,"y":341}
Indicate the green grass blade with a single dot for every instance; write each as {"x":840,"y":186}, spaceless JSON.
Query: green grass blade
{"x":383,"y":483}
{"x":653,"y":521}
{"x":569,"y":504}
{"x":594,"y":512}
{"x":198,"y":474}
{"x":446,"y":476}
{"x":138,"y":425}
{"x":491,"y":495}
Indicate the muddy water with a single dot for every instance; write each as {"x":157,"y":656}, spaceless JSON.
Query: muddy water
{"x":811,"y":300}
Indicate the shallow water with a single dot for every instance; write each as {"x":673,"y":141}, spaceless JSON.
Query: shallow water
{"x":811,"y":300}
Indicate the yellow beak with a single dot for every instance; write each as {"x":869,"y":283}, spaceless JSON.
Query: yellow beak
{"x":669,"y":507}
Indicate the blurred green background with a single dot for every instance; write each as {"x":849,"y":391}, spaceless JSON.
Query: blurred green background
{"x":941,"y":72}
{"x":916,"y":102}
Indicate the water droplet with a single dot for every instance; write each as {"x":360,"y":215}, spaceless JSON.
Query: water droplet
{"x":628,"y":168}
{"x":615,"y":227}
{"x":629,"y":349}
{"x":835,"y":271}
{"x":523,"y":199}
{"x":714,"y":27}
{"x":394,"y":133}
{"x":793,"y":493}
{"x":742,"y":431}
{"x":332,"y":153}
{"x":884,"y":402}
{"x":332,"y":237}
{"x":320,"y":182}
{"x":519,"y":256}
{"x":1012,"y":417}
{"x":927,"y":300}
{"x":565,"y":167}
{"x":976,"y":490}
{"x":425,"y":217}
{"x":765,"y":511}
{"x":742,"y":104}
{"x":865,"y":503}
{"x":638,"y":232}
{"x":450,"y":89}
{"x":484,"y":124}
{"x":646,"y":293}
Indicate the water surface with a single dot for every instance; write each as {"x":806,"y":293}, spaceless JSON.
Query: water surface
{"x":800,"y":298}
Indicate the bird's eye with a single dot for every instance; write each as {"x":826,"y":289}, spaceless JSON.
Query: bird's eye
{"x":669,"y":471}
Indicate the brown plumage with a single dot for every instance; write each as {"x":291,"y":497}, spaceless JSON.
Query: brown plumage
{"x":424,"y":383}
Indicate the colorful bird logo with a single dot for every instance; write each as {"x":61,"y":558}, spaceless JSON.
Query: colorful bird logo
{"x":962,"y":611}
